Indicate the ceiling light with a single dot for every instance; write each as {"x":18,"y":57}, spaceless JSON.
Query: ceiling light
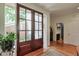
{"x":77,"y":7}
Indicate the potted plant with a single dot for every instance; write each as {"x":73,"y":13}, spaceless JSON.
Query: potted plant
{"x":10,"y":38}
{"x":7,"y":41}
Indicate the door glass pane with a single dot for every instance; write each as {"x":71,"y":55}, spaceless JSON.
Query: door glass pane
{"x":28,"y":14}
{"x":22,"y":24}
{"x":36,"y":34}
{"x":36,"y":16}
{"x":36,"y":25}
{"x":40,"y":26}
{"x":40,"y":34}
{"x":28,"y":25}
{"x":40,"y":18}
{"x":22,"y":36}
{"x":22,"y":13}
{"x":28,"y":35}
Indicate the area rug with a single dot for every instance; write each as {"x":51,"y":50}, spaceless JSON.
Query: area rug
{"x":52,"y":52}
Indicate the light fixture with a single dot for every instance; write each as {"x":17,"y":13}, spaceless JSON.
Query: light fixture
{"x":77,"y":7}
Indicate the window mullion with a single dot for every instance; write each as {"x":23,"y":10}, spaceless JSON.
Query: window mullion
{"x":38,"y":26}
{"x":42,"y":26}
{"x":25,"y":25}
{"x":33,"y":26}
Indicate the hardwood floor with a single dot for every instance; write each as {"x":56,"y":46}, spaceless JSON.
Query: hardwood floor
{"x":77,"y":50}
{"x":67,"y":49}
{"x":36,"y":52}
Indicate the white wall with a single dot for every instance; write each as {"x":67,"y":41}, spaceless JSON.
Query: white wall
{"x":71,"y":27}
{"x":2,"y":17}
{"x":1,"y":20}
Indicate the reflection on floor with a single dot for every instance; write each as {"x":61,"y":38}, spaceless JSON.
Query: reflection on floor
{"x":52,"y":52}
{"x":67,"y":49}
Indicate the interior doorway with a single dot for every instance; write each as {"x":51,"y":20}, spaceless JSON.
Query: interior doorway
{"x":51,"y":34}
{"x":60,"y":33}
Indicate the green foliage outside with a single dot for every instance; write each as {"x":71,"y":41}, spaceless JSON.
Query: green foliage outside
{"x":9,"y":14}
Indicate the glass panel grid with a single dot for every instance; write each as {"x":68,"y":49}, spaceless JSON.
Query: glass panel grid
{"x":25,"y":22}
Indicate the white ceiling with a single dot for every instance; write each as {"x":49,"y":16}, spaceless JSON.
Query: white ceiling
{"x":60,"y":8}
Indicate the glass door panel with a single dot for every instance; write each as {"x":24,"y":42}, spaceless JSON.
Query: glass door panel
{"x":40,"y":26}
{"x":36,"y":35}
{"x":22,"y":24}
{"x":28,"y":25}
{"x":22,"y":36}
{"x":22,"y":13}
{"x":40,"y":34}
{"x":36,"y":16}
{"x":28,"y":36}
{"x":40,"y":18}
{"x":28,"y":14}
{"x":36,"y":26}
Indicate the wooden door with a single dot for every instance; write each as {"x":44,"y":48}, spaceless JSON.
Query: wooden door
{"x":29,"y":30}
